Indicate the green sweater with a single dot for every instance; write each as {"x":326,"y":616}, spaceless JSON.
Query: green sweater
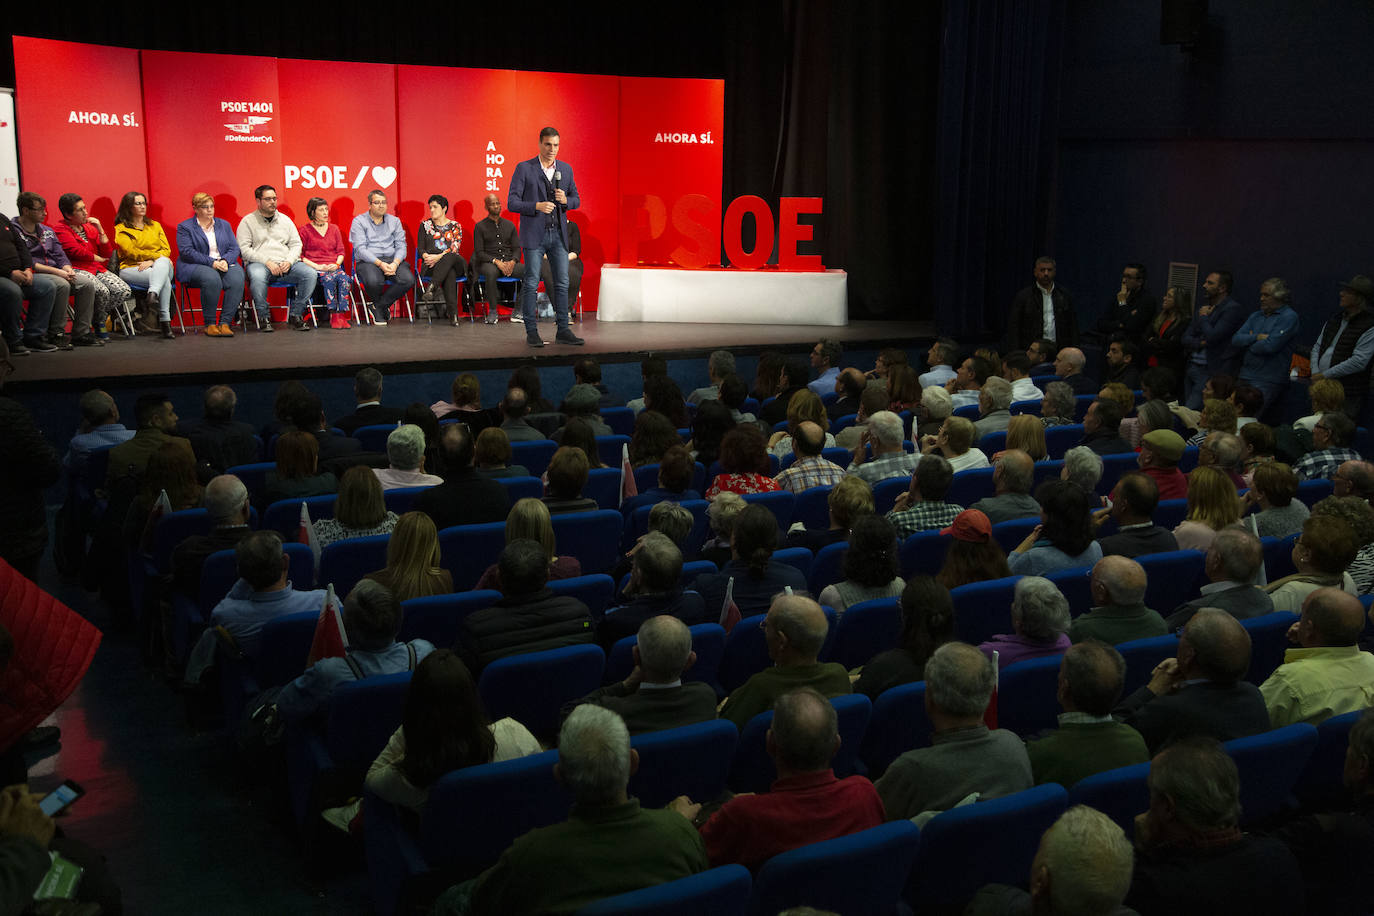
{"x":757,"y":694}
{"x":597,"y":852}
{"x":1117,"y":623}
{"x":1079,"y":749}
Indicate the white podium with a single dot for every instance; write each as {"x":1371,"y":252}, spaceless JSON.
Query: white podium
{"x":723,"y":296}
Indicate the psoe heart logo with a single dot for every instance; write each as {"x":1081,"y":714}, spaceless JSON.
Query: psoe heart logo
{"x":339,"y":176}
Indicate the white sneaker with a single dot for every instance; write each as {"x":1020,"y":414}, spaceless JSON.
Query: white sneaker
{"x":380,"y":322}
{"x":343,"y":816}
{"x":516,"y":316}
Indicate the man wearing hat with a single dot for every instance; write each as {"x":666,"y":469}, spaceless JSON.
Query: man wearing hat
{"x":1160,"y":451}
{"x":583,"y":403}
{"x":1347,"y":341}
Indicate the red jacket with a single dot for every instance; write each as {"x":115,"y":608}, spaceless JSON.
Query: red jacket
{"x":84,"y":255}
{"x":53,"y":647}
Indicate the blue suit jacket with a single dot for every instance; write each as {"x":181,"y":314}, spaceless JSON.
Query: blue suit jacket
{"x":192,"y":248}
{"x":527,"y":188}
{"x":1217,"y":329}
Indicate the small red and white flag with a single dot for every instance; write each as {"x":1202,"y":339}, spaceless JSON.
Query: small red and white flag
{"x":163,"y":506}
{"x":628,"y":486}
{"x":307,"y":535}
{"x":729,"y":611}
{"x":330,"y":640}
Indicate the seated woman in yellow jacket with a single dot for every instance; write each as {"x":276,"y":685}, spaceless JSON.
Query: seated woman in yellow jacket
{"x":144,"y":255}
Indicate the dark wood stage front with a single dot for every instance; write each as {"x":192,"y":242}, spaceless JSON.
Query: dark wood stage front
{"x":401,"y":347}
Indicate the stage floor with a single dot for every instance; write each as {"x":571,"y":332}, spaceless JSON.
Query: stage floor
{"x":421,"y":347}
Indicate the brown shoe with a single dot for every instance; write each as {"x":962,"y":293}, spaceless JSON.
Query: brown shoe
{"x":212,"y":330}
{"x":225,"y":331}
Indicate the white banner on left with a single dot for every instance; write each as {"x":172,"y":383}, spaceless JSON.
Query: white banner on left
{"x":9,"y":155}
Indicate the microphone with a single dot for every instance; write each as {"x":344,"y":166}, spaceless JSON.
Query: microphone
{"x":557,"y":180}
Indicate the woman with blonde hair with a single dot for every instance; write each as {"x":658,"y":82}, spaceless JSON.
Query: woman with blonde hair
{"x":297,"y":474}
{"x":1212,"y":506}
{"x":359,"y":511}
{"x":145,"y":255}
{"x":805,"y":405}
{"x":1325,"y":395}
{"x":1027,"y":433}
{"x":208,"y":259}
{"x":529,"y":519}
{"x":412,"y":560}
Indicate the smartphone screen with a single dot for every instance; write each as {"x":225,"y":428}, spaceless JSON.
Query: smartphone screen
{"x":60,"y":798}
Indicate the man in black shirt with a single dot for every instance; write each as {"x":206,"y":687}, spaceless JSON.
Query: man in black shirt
{"x":495,"y":251}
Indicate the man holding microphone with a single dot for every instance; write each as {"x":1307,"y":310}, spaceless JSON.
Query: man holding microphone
{"x":542,"y":191}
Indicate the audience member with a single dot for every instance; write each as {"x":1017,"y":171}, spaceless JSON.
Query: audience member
{"x":226,"y":502}
{"x":1082,"y":466}
{"x":1025,"y":433}
{"x":583,"y":402}
{"x":825,"y":359}
{"x":756,"y":576}
{"x":413,"y":567}
{"x":966,"y":758}
{"x":619,"y":846}
{"x":712,"y":421}
{"x":994,"y":402}
{"x":663,"y":395}
{"x":1083,"y":866}
{"x":359,"y":511}
{"x":529,"y":618}
{"x":1201,"y":690}
{"x":514,"y":408}
{"x":809,"y":469}
{"x":491,"y":455}
{"x":1059,"y":406}
{"x":904,"y":390}
{"x":1217,"y":416}
{"x":794,"y":630}
{"x":939,"y":360}
{"x":1212,"y":506}
{"x":1012,"y":475}
{"x":927,"y":623}
{"x":744,"y":462}
{"x":465,"y":497}
{"x":1101,"y":428}
{"x":967,"y":385}
{"x":1039,"y":623}
{"x":721,"y":514}
{"x":955,"y":442}
{"x":848,"y":501}
{"x":718,"y":365}
{"x":1327,"y":674}
{"x":930,"y":414}
{"x":1164,"y":339}
{"x":1088,"y":739}
{"x":1064,"y":537}
{"x":1149,"y":416}
{"x":156,"y":421}
{"x":805,"y":804}
{"x":1233,"y":560}
{"x":1332,"y":437}
{"x":890,"y":457}
{"x":217,"y":438}
{"x":368,"y":411}
{"x":529,"y":520}
{"x":526,"y":377}
{"x":1355,"y":512}
{"x":263,"y":592}
{"x":1016,"y":368}
{"x":169,"y":471}
{"x":1068,"y":365}
{"x":372,"y":620}
{"x":1208,"y":338}
{"x":297,"y":474}
{"x":1121,"y":367}
{"x":805,"y":406}
{"x":849,"y":387}
{"x":1321,"y":556}
{"x":100,"y":427}
{"x":1326,"y":395}
{"x":1043,"y":311}
{"x":653,"y":696}
{"x":923,"y":505}
{"x":567,"y":476}
{"x":1257,"y":449}
{"x":870,"y":566}
{"x":1040,"y":352}
{"x":733,"y":394}
{"x":1341,"y":352}
{"x":972,"y":554}
{"x":1191,"y":856}
{"x":1119,"y":613}
{"x":1224,"y":452}
{"x":466,"y":403}
{"x":337,"y":452}
{"x":1160,"y":451}
{"x":405,"y":450}
{"x":655,"y":589}
{"x":1134,"y":501}
{"x":1332,"y":849}
{"x":443,"y":728}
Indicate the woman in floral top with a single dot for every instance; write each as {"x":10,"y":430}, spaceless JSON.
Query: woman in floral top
{"x":359,"y":511}
{"x":438,"y":241}
{"x":744,"y":463}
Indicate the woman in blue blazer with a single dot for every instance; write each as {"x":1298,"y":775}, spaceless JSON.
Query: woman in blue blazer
{"x":208,"y":259}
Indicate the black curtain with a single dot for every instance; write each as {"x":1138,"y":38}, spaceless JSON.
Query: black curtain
{"x":837,"y":101}
{"x":995,"y":162}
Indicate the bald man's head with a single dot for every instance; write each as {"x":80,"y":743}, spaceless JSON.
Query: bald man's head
{"x":1331,"y":617}
{"x":1215,"y":646}
{"x":1015,"y":472}
{"x":809,"y":440}
{"x":1118,"y":580}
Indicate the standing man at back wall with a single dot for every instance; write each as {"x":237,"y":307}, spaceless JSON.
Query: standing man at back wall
{"x":542,"y":191}
{"x":1042,"y":310}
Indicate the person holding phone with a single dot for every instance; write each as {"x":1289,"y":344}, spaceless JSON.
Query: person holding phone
{"x":25,"y":832}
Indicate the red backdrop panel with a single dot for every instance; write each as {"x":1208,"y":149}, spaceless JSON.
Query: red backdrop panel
{"x":453,"y":128}
{"x":214,"y":125}
{"x":671,"y":133}
{"x":80,"y":120}
{"x":338,"y":138}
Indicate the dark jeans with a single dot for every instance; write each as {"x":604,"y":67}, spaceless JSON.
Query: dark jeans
{"x":553,"y":246}
{"x":381,"y":293}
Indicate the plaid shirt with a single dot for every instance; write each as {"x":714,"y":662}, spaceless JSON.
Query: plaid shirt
{"x":897,"y":464}
{"x":1322,"y":465}
{"x":812,"y":471}
{"x":923,"y":516}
